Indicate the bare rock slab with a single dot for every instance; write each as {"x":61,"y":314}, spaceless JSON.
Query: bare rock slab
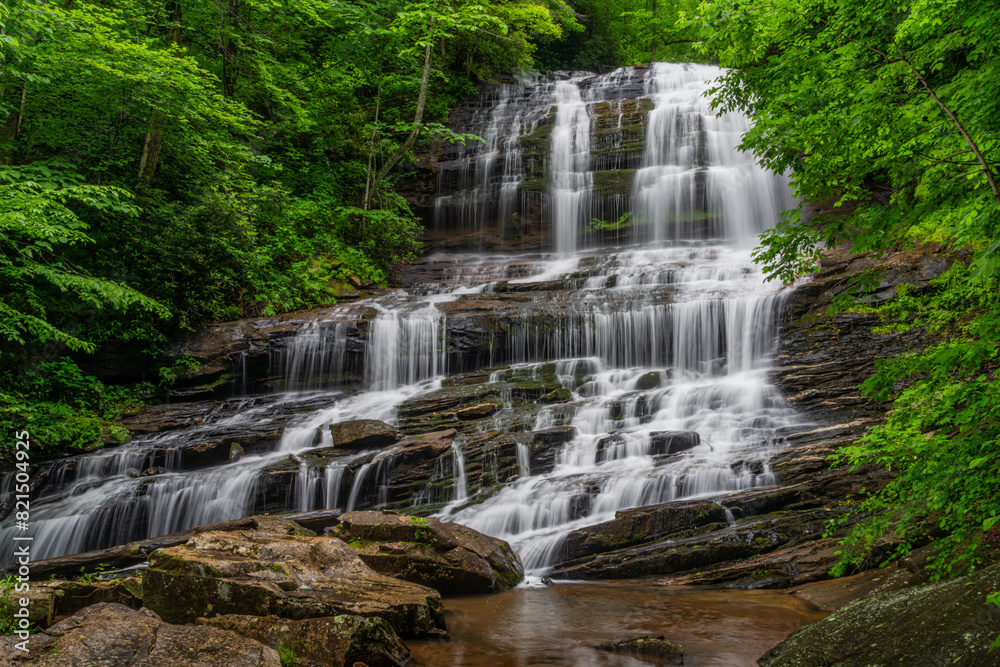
{"x":113,"y":634}
{"x":283,"y":570}
{"x":448,"y":557}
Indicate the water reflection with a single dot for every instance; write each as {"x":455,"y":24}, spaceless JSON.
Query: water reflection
{"x":559,"y":625}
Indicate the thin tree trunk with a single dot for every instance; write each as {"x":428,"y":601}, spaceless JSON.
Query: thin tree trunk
{"x":990,"y":178}
{"x":411,"y":139}
{"x":154,"y":134}
{"x":369,"y":184}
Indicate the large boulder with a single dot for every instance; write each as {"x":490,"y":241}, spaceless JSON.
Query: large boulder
{"x":279,"y":568}
{"x":337,"y":640}
{"x":363,"y":434}
{"x":947,"y":622}
{"x":449,"y":557}
{"x":113,"y":634}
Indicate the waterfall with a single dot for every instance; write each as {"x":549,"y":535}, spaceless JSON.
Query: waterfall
{"x":570,"y":164}
{"x":694,"y":182}
{"x":659,"y":326}
{"x":405,"y":347}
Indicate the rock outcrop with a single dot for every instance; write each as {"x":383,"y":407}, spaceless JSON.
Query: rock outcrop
{"x":947,"y":622}
{"x":450,"y":558}
{"x":113,"y":634}
{"x":337,"y":640}
{"x":664,"y":652}
{"x":363,"y":434}
{"x":279,"y":568}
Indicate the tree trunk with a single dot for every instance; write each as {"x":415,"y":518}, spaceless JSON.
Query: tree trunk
{"x":154,"y":134}
{"x":411,"y":139}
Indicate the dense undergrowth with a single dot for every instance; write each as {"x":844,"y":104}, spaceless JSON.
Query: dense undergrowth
{"x":886,"y":113}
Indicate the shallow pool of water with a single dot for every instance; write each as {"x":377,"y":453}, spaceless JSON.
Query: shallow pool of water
{"x":559,"y":625}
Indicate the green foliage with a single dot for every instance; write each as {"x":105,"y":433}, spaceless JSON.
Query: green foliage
{"x":167,"y":165}
{"x":940,"y":439}
{"x":613,"y":33}
{"x":624,"y":221}
{"x":63,"y":408}
{"x":885,"y":114}
{"x":8,"y":605}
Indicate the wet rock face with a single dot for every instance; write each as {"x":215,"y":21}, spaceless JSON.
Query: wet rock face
{"x":946,"y":622}
{"x":664,"y":443}
{"x":645,"y":524}
{"x":113,"y":634}
{"x":450,"y":558}
{"x":281,"y":569}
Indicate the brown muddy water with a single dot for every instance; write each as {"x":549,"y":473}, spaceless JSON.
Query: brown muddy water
{"x":560,"y":624}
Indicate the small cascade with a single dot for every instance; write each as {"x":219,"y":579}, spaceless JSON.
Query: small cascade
{"x":334,"y":475}
{"x":307,"y":487}
{"x":571,"y":177}
{"x":370,"y":488}
{"x":461,"y":482}
{"x":316,"y":356}
{"x":405,"y":347}
{"x":523,"y":460}
{"x":694,"y":182}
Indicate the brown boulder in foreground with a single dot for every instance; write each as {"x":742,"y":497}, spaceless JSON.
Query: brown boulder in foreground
{"x":113,"y":634}
{"x":448,"y":557}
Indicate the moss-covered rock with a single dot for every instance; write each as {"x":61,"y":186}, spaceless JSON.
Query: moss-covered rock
{"x":113,"y":634}
{"x":449,"y":557}
{"x":336,"y":640}
{"x":363,"y":434}
{"x":945,"y":622}
{"x":279,"y":568}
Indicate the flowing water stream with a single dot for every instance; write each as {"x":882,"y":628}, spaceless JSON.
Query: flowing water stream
{"x":663,"y":343}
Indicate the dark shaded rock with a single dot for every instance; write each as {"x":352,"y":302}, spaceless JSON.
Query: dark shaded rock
{"x":478,"y":411}
{"x":946,"y":622}
{"x":363,"y":434}
{"x":113,"y":634}
{"x":284,"y":570}
{"x":336,"y":640}
{"x":650,"y":380}
{"x":557,"y":435}
{"x":638,"y":526}
{"x":649,"y":645}
{"x":662,"y":443}
{"x":449,"y":557}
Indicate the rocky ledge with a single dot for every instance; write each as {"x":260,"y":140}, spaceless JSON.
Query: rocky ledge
{"x":241,"y":592}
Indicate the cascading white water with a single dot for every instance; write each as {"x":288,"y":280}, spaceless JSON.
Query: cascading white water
{"x":694,"y":183}
{"x":673,"y":337}
{"x":571,"y":177}
{"x":679,"y":343}
{"x":405,"y":347}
